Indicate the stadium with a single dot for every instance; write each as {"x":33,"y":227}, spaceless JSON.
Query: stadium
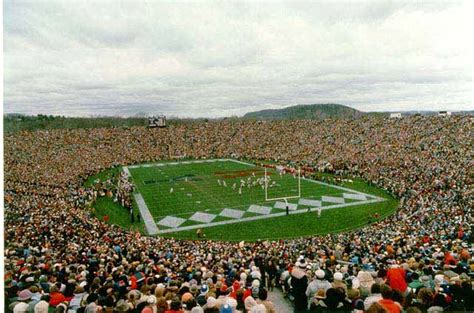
{"x":51,"y":225}
{"x":237,"y":157}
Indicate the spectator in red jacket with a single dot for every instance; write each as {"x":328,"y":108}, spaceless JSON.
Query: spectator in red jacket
{"x":449,"y":259}
{"x":56,"y":297}
{"x":396,"y":278}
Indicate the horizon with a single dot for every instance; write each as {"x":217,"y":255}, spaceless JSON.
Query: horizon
{"x":120,"y":59}
{"x":144,"y":114}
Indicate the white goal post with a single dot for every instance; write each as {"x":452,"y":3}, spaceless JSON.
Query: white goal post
{"x":283,"y":198}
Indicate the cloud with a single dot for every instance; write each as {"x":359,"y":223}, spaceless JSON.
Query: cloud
{"x":219,"y":59}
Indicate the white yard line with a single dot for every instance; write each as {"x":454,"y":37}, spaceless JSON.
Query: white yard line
{"x":261,"y":217}
{"x":342,"y":188}
{"x":240,"y":162}
{"x":150,"y":224}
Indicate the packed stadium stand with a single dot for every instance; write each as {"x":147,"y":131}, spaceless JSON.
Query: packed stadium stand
{"x":59,"y":258}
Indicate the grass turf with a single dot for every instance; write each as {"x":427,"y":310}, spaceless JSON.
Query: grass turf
{"x":196,"y":188}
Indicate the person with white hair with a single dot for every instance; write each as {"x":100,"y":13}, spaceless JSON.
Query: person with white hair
{"x":243,"y":279}
{"x":41,"y":307}
{"x":211,"y":304}
{"x":255,"y":273}
{"x":366,"y":281}
{"x":339,"y":281}
{"x":255,"y":287}
{"x":150,"y":306}
{"x":318,"y":283}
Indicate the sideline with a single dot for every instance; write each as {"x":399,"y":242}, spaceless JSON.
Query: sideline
{"x":150,"y":224}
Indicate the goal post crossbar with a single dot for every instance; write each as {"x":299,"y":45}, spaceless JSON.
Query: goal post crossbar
{"x":283,"y":198}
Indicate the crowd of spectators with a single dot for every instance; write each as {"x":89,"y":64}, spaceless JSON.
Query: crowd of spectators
{"x":58,"y":257}
{"x":124,"y":190}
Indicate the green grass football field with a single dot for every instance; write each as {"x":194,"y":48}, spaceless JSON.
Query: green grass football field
{"x":183,"y":189}
{"x":183,"y":196}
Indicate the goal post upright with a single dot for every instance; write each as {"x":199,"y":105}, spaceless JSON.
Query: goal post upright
{"x":299,"y":182}
{"x":266,"y":185}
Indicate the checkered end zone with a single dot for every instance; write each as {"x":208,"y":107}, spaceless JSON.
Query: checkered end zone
{"x":252,"y":210}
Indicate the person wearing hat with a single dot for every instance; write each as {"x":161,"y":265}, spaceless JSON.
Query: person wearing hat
{"x":226,"y":308}
{"x":189,"y":305}
{"x":187,"y":296}
{"x":23,"y":300}
{"x":316,"y":284}
{"x":211,"y":305}
{"x":299,"y":284}
{"x":201,"y":298}
{"x":41,"y":307}
{"x":358,"y":306}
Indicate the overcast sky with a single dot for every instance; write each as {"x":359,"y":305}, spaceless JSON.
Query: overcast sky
{"x":228,"y":58}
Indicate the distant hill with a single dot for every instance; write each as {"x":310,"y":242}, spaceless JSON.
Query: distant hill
{"x":309,"y":111}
